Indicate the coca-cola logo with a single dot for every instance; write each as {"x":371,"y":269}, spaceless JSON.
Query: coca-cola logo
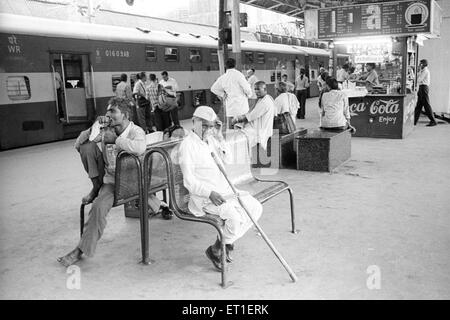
{"x":356,"y":108}
{"x":385,"y":106}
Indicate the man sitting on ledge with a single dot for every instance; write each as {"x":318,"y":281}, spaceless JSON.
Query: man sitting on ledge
{"x":258,"y":123}
{"x":122,"y":134}
{"x":208,"y":189}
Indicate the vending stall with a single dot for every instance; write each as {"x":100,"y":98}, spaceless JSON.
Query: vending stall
{"x":383,"y":37}
{"x":384,"y":109}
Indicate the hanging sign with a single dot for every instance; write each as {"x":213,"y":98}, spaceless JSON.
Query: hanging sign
{"x":373,"y":19}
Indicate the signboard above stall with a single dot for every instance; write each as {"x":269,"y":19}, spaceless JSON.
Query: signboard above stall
{"x":374,"y":19}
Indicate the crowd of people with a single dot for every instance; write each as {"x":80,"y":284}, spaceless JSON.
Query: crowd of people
{"x":154,"y":103}
{"x":248,"y":106}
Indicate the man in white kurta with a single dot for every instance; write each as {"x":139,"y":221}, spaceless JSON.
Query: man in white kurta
{"x":286,"y":101}
{"x":234,"y":89}
{"x":208,"y":189}
{"x":258,"y":123}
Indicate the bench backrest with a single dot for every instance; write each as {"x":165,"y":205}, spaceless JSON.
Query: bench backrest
{"x":238,"y":171}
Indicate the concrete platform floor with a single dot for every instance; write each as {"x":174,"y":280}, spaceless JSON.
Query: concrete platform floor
{"x":387,"y":207}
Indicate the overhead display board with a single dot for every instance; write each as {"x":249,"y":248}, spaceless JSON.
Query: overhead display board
{"x":373,"y":19}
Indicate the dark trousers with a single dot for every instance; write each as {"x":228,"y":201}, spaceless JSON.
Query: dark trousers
{"x":423,"y":101}
{"x":174,"y":116}
{"x":149,"y":118}
{"x":301,"y":96}
{"x":162,"y":119}
{"x":92,"y":160}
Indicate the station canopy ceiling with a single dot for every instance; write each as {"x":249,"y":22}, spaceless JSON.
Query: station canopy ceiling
{"x":296,"y":8}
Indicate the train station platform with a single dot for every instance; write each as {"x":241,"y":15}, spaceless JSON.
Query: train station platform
{"x":385,"y":213}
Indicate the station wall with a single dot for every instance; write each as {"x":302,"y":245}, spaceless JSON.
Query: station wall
{"x":437,"y":51}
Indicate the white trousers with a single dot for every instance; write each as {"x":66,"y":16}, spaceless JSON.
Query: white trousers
{"x":237,"y":222}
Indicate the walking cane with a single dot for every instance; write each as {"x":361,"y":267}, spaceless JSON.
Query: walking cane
{"x":269,"y":243}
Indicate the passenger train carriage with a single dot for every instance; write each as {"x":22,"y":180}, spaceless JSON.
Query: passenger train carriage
{"x":90,"y":58}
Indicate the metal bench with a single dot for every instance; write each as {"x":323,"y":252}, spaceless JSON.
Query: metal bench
{"x":240,"y":175}
{"x":128,"y":183}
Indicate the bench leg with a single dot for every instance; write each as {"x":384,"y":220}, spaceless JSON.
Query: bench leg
{"x":165,"y":195}
{"x":225,"y":284}
{"x":81,"y":219}
{"x":291,"y":198}
{"x":144,"y":236}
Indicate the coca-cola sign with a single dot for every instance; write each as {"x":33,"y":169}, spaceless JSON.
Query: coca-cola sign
{"x":380,"y":107}
{"x":356,"y":108}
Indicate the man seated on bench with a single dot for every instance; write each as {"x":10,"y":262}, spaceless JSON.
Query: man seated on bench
{"x":208,"y":189}
{"x":258,"y":123}
{"x":101,"y":169}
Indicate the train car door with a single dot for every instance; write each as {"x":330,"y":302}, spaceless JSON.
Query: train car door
{"x":70,"y":85}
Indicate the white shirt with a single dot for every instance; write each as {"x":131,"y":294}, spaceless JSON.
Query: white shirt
{"x":341,"y":75}
{"x":335,"y":109}
{"x":132,"y":140}
{"x":287,"y":102}
{"x":423,"y":77}
{"x":58,"y":80}
{"x":372,"y":77}
{"x":302,"y":84}
{"x":260,"y":121}
{"x":200,"y":172}
{"x":139,"y":87}
{"x":235,"y":90}
{"x":170,"y":85}
{"x":321,"y":83}
{"x":123,"y":90}
{"x":251,"y":81}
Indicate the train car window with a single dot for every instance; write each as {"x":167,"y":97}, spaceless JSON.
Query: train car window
{"x":150,"y":53}
{"x":214,"y":56}
{"x":18,"y":88}
{"x":171,"y":54}
{"x":265,"y":37}
{"x":115,"y":81}
{"x":249,"y":57}
{"x":260,"y":57}
{"x":195,"y":55}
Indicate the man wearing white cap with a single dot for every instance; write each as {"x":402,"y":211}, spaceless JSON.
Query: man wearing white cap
{"x":208,"y":189}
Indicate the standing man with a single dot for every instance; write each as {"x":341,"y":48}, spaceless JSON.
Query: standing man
{"x":170,"y":85}
{"x":162,"y":118}
{"x":371,"y":76}
{"x":258,"y":123}
{"x":423,"y":101}
{"x":124,"y":136}
{"x":59,"y":94}
{"x":208,"y":188}
{"x":290,"y":87}
{"x":342,"y":74}
{"x":142,"y":103}
{"x":301,"y":85}
{"x":233,"y":89}
{"x":123,"y":89}
{"x":252,"y":79}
